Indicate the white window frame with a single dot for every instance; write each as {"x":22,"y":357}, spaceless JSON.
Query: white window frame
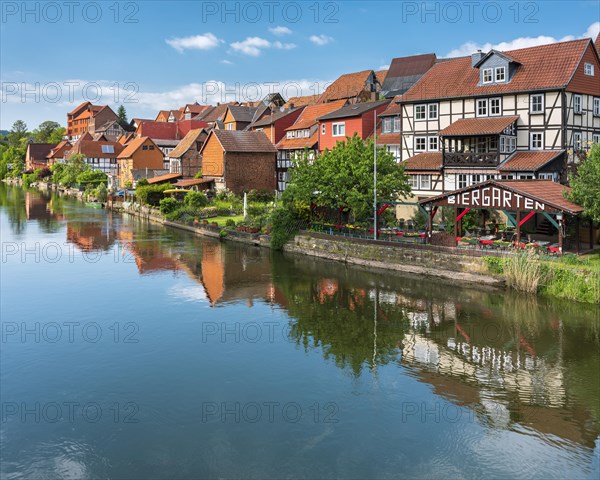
{"x":596,"y":138}
{"x":498,"y":70}
{"x":417,"y":139}
{"x":546,"y":176}
{"x":387,"y":125}
{"x":596,"y":106}
{"x":417,"y":115}
{"x":437,"y":111}
{"x":491,"y":106}
{"x":490,"y":72}
{"x":323,"y":129}
{"x":540,"y":104}
{"x":462,"y":180}
{"x":533,"y":140}
{"x":482,"y":102}
{"x":588,"y":69}
{"x":413,"y":181}
{"x":340,"y":131}
{"x":431,"y":148}
{"x":577,"y":104}
{"x":577,"y":141}
{"x":424,"y":182}
{"x":396,"y":124}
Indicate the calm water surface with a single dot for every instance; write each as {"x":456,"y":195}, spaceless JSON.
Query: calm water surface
{"x":133,"y":351}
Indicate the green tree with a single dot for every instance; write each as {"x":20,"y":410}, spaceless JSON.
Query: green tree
{"x":122,"y":116}
{"x":343,"y":177}
{"x":92,"y":177}
{"x":44,"y":131}
{"x":17,"y":132}
{"x":57,"y":135}
{"x":68,"y":174}
{"x":585,"y":184}
{"x":13,"y":161}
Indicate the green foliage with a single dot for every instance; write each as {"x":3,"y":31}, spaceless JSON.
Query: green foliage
{"x":57,"y":135}
{"x":198,"y":175}
{"x":28,"y":179}
{"x":343,"y":177}
{"x":223,"y":234}
{"x":67,"y":174}
{"x":262,"y":196}
{"x":151,"y":194}
{"x":142,"y":182}
{"x":585,"y":184}
{"x":13,"y":161}
{"x":122,"y":116}
{"x":286,"y":223}
{"x":44,"y":132}
{"x":495,"y":265}
{"x":101,"y":192}
{"x":523,"y":272}
{"x":230,"y":223}
{"x":195,"y":200}
{"x":168,"y":205}
{"x":93,"y":177}
{"x":17,"y":133}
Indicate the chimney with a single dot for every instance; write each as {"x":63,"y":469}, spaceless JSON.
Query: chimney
{"x":475,"y":57}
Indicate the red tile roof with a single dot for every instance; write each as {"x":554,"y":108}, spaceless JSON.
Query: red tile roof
{"x":93,"y":149}
{"x":478,"y":126}
{"x":243,"y":141}
{"x":309,"y":116}
{"x":542,"y":67}
{"x":185,"y":144}
{"x":299,"y":143}
{"x":301,"y":101}
{"x":190,"y":182}
{"x":164,"y":178}
{"x":132,"y":147}
{"x":353,"y":110}
{"x":529,"y":161}
{"x":424,"y":161}
{"x":386,"y":138}
{"x":394,"y":108}
{"x":39,"y":151}
{"x":381,"y":74}
{"x":413,"y":65}
{"x":346,"y":86}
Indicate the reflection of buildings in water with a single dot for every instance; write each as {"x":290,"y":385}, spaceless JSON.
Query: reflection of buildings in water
{"x":36,"y":206}
{"x":149,"y":256}
{"x":90,"y":236}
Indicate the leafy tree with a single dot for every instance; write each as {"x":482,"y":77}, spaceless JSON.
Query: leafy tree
{"x":44,"y":131}
{"x":168,"y":205}
{"x":13,"y":161}
{"x":195,"y":200}
{"x":585,"y":184}
{"x":17,"y":132}
{"x":122,"y":116}
{"x":343,"y":178}
{"x":92,"y":177}
{"x":68,"y":173}
{"x":57,"y":135}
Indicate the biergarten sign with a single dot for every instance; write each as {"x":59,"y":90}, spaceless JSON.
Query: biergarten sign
{"x":495,"y":198}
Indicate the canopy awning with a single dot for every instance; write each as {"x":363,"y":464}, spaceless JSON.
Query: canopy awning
{"x":478,"y":126}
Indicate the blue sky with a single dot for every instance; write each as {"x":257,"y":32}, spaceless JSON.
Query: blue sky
{"x":150,"y":55}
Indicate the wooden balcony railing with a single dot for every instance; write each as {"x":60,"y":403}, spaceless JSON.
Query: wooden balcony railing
{"x":467,"y":159}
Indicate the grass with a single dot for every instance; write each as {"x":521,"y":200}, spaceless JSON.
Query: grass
{"x":221,"y":221}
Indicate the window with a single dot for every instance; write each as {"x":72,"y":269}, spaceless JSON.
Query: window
{"x":229,"y":126}
{"x":577,"y":141}
{"x":536,"y":103}
{"x":597,"y":107}
{"x":108,"y":149}
{"x":433,"y":111}
{"x":493,"y":144}
{"x":323,"y":129}
{"x":482,"y":105}
{"x":397,"y":121}
{"x":588,"y":69}
{"x":525,"y":176}
{"x":420,"y":112}
{"x":433,"y":144}
{"x":487,"y":75}
{"x":475,"y":179}
{"x":144,"y":147}
{"x":577,"y":104}
{"x":506,"y":177}
{"x":425,"y":182}
{"x":495,"y":108}
{"x":420,"y":144}
{"x":338,"y":129}
{"x":413,"y":181}
{"x":500,"y":74}
{"x":546,"y":176}
{"x":462,"y":181}
{"x":536,"y":140}
{"x":596,"y":138}
{"x":151,"y":147}
{"x":387,"y":125}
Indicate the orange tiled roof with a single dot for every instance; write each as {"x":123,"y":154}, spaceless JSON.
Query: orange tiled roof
{"x":131,"y":147}
{"x":243,"y":141}
{"x":381,"y":74}
{"x":394,"y":108}
{"x":190,"y":182}
{"x":299,"y":143}
{"x":346,"y":86}
{"x":164,"y":178}
{"x":385,"y":138}
{"x":309,"y":116}
{"x":424,"y":161}
{"x":93,"y":149}
{"x":542,"y":67}
{"x":185,"y":143}
{"x":478,"y":126}
{"x":302,"y":101}
{"x":529,"y":161}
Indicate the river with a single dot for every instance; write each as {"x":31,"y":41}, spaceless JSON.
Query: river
{"x":130,"y":350}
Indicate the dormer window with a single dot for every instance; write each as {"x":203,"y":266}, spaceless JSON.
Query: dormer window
{"x":487,"y":75}
{"x":500,"y":74}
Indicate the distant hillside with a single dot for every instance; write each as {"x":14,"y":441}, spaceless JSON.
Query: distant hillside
{"x":3,"y":132}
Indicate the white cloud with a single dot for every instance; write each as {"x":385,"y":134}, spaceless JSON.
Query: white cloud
{"x":320,"y":39}
{"x":280,"y":31}
{"x":383,"y":67}
{"x":226,"y":62}
{"x":251,"y":46}
{"x":284,"y":46}
{"x":195,"y":42}
{"x":521,"y":42}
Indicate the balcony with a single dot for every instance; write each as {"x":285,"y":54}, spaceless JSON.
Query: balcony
{"x":471,"y":159}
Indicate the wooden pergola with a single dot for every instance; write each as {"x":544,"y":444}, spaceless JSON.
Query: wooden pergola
{"x":519,"y":200}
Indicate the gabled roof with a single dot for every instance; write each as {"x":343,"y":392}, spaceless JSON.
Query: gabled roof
{"x":404,"y":72}
{"x":354,"y":110}
{"x":268,"y":120}
{"x":79,"y":108}
{"x":242,"y":141}
{"x":489,"y":54}
{"x":164,"y":178}
{"x":108,"y":125}
{"x":164,"y":113}
{"x":213,"y":114}
{"x":309,"y":116}
{"x":394,"y":108}
{"x":194,"y":108}
{"x":424,"y":161}
{"x":299,"y":143}
{"x":57,"y":148}
{"x":381,"y":75}
{"x":93,"y":149}
{"x":190,"y":182}
{"x":186,"y":142}
{"x":542,"y":67}
{"x":133,"y":146}
{"x":347,"y":86}
{"x":529,"y":161}
{"x":306,"y":100}
{"x":478,"y":126}
{"x":39,"y":151}
{"x":245,"y":114}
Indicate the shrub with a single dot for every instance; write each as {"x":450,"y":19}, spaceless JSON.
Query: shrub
{"x":494,"y":264}
{"x":223,"y":233}
{"x":195,"y":200}
{"x":151,"y":194}
{"x":142,"y":182}
{"x":198,"y":175}
{"x":262,"y":196}
{"x":43,"y":173}
{"x":230,"y":223}
{"x":285,"y":225}
{"x":168,"y":205}
{"x":523,"y":272}
{"x":208,"y":212}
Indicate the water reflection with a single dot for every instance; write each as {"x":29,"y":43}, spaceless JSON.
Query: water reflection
{"x":519,"y":363}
